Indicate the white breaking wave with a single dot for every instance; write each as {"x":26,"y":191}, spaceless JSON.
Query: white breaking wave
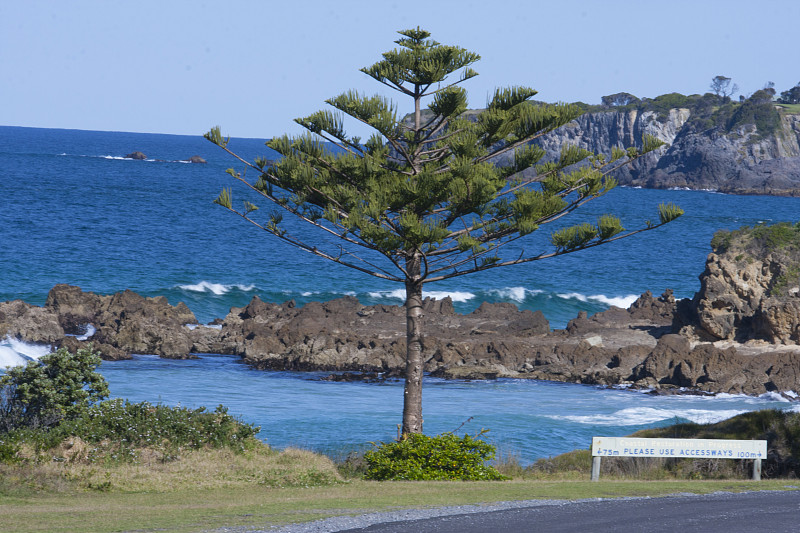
{"x":637,"y":416}
{"x":192,"y":327}
{"x":775,"y":397}
{"x":620,"y":301}
{"x":15,"y":353}
{"x":400,"y":294}
{"x":216,"y":288}
{"x":456,"y":296}
{"x":306,"y":294}
{"x":517,"y":294}
{"x":90,"y":330}
{"x":768,"y":396}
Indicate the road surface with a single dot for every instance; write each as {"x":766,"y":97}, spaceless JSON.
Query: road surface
{"x":767,"y":511}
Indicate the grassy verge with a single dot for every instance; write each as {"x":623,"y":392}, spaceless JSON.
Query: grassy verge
{"x":121,"y":466}
{"x":190,"y":509}
{"x":791,"y":108}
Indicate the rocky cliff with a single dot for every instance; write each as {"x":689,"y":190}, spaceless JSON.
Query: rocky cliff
{"x":750,"y":289}
{"x":733,"y":157}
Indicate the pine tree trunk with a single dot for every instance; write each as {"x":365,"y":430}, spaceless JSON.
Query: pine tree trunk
{"x":412,"y":395}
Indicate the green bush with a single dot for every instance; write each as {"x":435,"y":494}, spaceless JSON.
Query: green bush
{"x":422,"y":458}
{"x":666,"y":102}
{"x":758,"y":240}
{"x":758,"y":110}
{"x":721,"y":241}
{"x":117,"y":430}
{"x":58,"y":386}
{"x":143,"y":424}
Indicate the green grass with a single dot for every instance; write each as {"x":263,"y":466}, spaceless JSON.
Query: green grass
{"x":790,"y":108}
{"x":198,"y":470}
{"x":192,"y":509}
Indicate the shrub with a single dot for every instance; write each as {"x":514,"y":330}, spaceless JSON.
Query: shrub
{"x":664,"y":103}
{"x":60,"y":385}
{"x":758,"y":240}
{"x":422,"y":458}
{"x":135,"y":425}
{"x":116,"y":431}
{"x":758,"y":110}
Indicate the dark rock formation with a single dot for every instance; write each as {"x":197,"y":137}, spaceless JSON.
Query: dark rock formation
{"x":750,"y":289}
{"x":740,"y":161}
{"x":141,"y":157}
{"x":740,"y":333}
{"x":29,"y":322}
{"x":125,"y":322}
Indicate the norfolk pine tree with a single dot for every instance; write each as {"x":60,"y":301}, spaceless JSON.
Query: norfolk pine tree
{"x":421,"y":201}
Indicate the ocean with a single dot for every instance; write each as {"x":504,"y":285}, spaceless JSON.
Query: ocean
{"x":75,"y":210}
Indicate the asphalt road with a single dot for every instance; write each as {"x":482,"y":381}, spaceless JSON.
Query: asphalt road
{"x":770,"y":512}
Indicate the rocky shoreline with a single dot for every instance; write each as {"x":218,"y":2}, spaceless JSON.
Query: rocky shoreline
{"x":739,"y":334}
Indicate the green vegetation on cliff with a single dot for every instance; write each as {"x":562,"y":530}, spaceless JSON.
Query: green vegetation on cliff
{"x":759,"y":240}
{"x":750,"y":243}
{"x":707,"y":111}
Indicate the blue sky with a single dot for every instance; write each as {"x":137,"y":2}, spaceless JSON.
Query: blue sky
{"x":173,"y":66}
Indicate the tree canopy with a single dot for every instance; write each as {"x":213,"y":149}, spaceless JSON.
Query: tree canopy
{"x":619,"y":99}
{"x":790,"y":96}
{"x":422,"y":200}
{"x":721,"y":86}
{"x":59,"y":385}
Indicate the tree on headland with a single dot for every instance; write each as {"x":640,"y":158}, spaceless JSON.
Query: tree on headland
{"x":721,"y":86}
{"x":619,"y":99}
{"x":421,"y":201}
{"x":790,"y":96}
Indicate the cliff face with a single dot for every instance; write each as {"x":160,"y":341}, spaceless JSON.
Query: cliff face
{"x":751,"y":287}
{"x":741,"y":161}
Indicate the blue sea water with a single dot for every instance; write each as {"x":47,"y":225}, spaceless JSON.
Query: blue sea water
{"x":74,"y":210}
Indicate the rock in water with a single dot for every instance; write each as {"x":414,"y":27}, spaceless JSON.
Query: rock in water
{"x":750,"y":289}
{"x":740,"y":333}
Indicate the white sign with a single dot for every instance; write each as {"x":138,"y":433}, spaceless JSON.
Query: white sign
{"x":684,"y":448}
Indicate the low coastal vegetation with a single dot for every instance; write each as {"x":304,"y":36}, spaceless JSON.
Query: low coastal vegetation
{"x":444,"y":457}
{"x":751,"y":243}
{"x":758,"y":240}
{"x":708,"y":110}
{"x":781,"y":430}
{"x":65,"y":453}
{"x":58,"y":433}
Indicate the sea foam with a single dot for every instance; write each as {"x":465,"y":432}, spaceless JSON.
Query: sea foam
{"x":619,"y":301}
{"x":400,"y":294}
{"x":216,"y":288}
{"x":639,"y":416}
{"x":516,"y":294}
{"x":14,"y":352}
{"x":89,"y":331}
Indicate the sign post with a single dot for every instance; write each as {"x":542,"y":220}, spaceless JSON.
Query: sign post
{"x":678,"y":448}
